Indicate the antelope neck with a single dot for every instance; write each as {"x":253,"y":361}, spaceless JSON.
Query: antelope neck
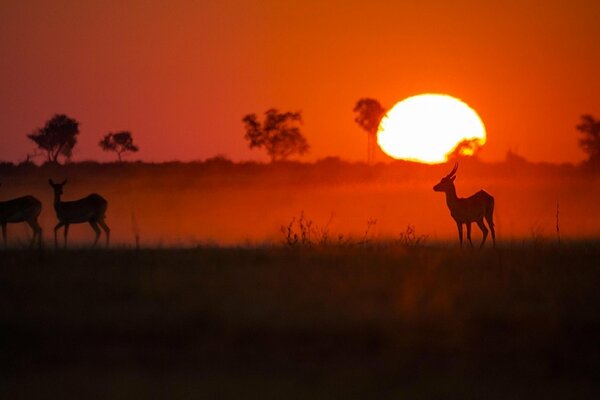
{"x":451,"y":197}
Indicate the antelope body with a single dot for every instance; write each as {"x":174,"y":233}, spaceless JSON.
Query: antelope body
{"x":90,"y":209}
{"x":465,"y":211}
{"x":22,"y":209}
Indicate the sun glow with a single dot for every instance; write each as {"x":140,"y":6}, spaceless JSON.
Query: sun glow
{"x":428,"y":127}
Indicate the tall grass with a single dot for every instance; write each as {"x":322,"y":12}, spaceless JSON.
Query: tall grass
{"x":320,"y":322}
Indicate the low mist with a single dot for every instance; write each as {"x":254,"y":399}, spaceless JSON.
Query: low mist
{"x":221,"y":203}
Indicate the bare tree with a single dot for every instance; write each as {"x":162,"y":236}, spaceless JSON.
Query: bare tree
{"x":120,"y":143}
{"x":279,"y":134}
{"x":57,"y":138}
{"x":590,"y":143}
{"x":369,"y":113}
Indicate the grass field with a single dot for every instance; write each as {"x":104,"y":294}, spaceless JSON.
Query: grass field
{"x":522,"y":321}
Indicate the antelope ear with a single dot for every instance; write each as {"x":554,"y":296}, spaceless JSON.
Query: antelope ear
{"x":453,"y":178}
{"x":65,"y":181}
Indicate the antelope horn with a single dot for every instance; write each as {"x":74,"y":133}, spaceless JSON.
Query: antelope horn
{"x":451,"y":174}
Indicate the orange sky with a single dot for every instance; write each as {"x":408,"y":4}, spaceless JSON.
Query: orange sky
{"x":181,"y":75}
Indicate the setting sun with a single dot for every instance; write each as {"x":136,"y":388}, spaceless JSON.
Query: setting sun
{"x":427,"y":127}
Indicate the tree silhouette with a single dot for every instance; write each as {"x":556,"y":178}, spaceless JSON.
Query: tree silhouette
{"x":465,"y":148}
{"x":369,"y":114}
{"x":120,"y":143}
{"x":590,"y":143}
{"x":57,"y":138}
{"x":279,"y":134}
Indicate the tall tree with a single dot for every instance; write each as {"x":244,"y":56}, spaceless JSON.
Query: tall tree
{"x":57,"y":138}
{"x":590,"y":142}
{"x":369,"y":113}
{"x":120,"y":143}
{"x":279,"y":134}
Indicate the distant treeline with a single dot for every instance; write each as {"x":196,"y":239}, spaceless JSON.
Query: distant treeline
{"x":325,"y":170}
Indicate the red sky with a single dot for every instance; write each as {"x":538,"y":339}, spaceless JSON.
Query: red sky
{"x":181,"y":75}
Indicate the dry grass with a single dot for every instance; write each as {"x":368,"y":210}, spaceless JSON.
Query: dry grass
{"x":321,"y":322}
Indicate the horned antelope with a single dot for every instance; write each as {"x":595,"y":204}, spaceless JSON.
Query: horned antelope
{"x":90,"y":209}
{"x":467,"y":210}
{"x":22,"y":209}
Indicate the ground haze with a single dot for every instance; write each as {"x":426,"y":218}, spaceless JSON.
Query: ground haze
{"x":219,"y":202}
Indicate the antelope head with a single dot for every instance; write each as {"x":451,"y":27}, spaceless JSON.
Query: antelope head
{"x":446,"y":182}
{"x":57,"y":186}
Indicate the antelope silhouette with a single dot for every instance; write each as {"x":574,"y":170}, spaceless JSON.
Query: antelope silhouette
{"x":475,"y":208}
{"x":22,"y":209}
{"x":90,"y":209}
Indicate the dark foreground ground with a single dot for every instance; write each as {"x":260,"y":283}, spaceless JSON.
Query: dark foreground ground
{"x":274,"y":323}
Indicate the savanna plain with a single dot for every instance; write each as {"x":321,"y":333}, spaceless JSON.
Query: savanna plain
{"x":326,"y":280}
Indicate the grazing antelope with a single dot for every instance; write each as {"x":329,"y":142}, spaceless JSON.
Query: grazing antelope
{"x":22,"y":209}
{"x":468,"y":210}
{"x":90,"y":209}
